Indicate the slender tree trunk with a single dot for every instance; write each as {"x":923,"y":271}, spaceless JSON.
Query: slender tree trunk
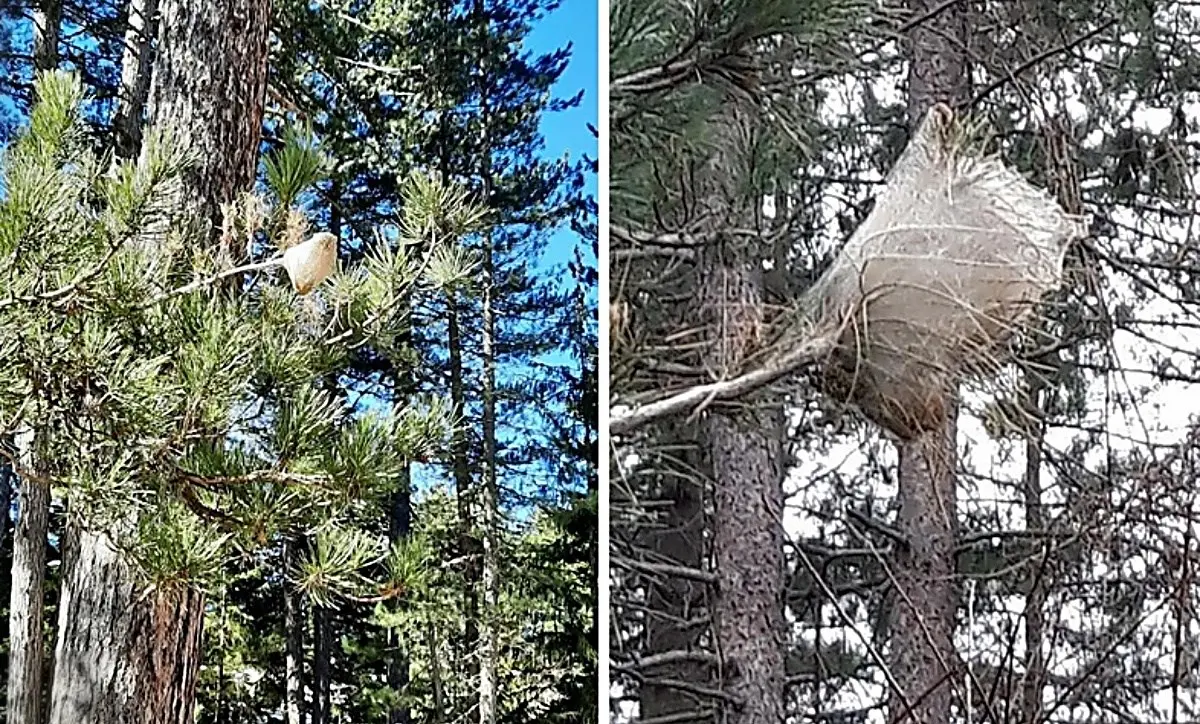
{"x":293,"y":625}
{"x":925,"y":605}
{"x":47,"y":17}
{"x":489,"y":504}
{"x":399,"y":528}
{"x":25,"y":620}
{"x":746,"y":448}
{"x":675,"y":538}
{"x":123,"y":655}
{"x":468,"y":547}
{"x":135,"y":76}
{"x":322,"y":650}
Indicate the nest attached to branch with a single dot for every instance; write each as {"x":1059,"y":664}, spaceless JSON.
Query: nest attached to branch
{"x":951,"y":261}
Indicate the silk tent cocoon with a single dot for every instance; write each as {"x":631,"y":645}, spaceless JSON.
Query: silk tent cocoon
{"x":950,"y":262}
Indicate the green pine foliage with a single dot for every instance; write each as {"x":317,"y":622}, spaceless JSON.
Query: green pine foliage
{"x":200,"y":414}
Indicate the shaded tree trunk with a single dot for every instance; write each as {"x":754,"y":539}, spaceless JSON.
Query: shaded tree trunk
{"x":25,"y":620}
{"x":399,"y":528}
{"x":676,"y":539}
{"x":47,"y":18}
{"x":135,"y":76}
{"x":468,"y":546}
{"x":925,"y":602}
{"x":293,"y":625}
{"x":746,"y":448}
{"x":322,"y":651}
{"x":124,"y":656}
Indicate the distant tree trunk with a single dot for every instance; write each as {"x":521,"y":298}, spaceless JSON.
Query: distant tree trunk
{"x":135,"y":76}
{"x":123,"y":656}
{"x":322,"y":651}
{"x":746,"y":448}
{"x":25,"y":622}
{"x":293,"y":631}
{"x":468,"y":547}
{"x":925,"y":604}
{"x":47,"y":17}
{"x":399,"y":528}
{"x":489,"y":503}
{"x":676,"y":537}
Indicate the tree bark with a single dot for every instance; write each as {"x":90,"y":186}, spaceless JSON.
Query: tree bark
{"x":135,"y":76}
{"x":293,"y":626}
{"x":399,"y":528}
{"x":25,"y":619}
{"x":322,"y":650}
{"x":460,"y":451}
{"x":925,"y":600}
{"x":677,"y":538}
{"x":125,"y":655}
{"x":47,"y":18}
{"x":746,"y":448}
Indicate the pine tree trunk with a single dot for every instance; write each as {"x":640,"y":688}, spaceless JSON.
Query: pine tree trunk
{"x":120,"y":662}
{"x":123,"y":655}
{"x":925,"y":603}
{"x":322,"y":650}
{"x":489,"y":504}
{"x":135,"y":76}
{"x":746,"y":448}
{"x":293,"y":625}
{"x":675,"y":538}
{"x":399,"y":528}
{"x":25,"y":620}
{"x":468,"y":547}
{"x":47,"y":17}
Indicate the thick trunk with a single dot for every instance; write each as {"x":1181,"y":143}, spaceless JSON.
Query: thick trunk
{"x":400,"y":525}
{"x":25,"y":625}
{"x":925,"y":601}
{"x":124,"y":656}
{"x":209,"y":85}
{"x":322,"y":651}
{"x":293,"y":625}
{"x":746,"y":448}
{"x":135,"y":76}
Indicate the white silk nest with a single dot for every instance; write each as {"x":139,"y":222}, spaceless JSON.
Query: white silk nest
{"x":951,"y":261}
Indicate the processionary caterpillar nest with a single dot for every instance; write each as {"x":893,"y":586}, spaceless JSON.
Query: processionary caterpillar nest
{"x":951,"y":261}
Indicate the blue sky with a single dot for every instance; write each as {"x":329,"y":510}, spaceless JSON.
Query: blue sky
{"x":576,"y":22}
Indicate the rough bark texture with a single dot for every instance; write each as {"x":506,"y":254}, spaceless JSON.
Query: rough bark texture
{"x":925,"y":603}
{"x":26,"y":644}
{"x":124,"y":655}
{"x":209,"y":84}
{"x":746,"y":448}
{"x":293,"y":624}
{"x":117,"y":661}
{"x":135,"y":76}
